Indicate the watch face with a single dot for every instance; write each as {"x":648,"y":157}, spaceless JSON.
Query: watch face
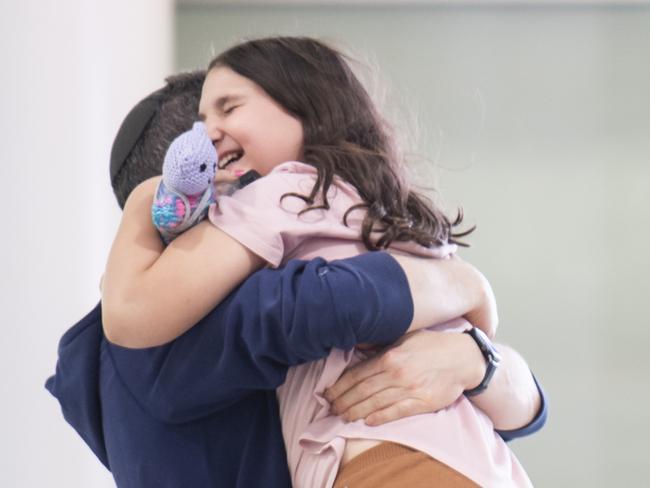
{"x":482,"y":335}
{"x":485,"y":344}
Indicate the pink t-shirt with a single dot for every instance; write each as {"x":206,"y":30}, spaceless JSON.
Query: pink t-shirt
{"x":461,"y":436}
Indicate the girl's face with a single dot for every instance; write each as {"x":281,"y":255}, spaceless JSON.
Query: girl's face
{"x":250,"y":130}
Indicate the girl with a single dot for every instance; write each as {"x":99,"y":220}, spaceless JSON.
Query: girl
{"x":268,"y":104}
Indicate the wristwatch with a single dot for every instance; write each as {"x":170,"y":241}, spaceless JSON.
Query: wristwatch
{"x":491,"y":355}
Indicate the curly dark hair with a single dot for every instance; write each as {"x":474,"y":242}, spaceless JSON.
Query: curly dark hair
{"x":344,"y":135}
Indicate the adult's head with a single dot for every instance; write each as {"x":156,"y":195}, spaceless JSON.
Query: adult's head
{"x":341,"y":129}
{"x":148,"y":130}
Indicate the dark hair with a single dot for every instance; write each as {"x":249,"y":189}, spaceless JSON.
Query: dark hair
{"x":344,"y":135}
{"x":148,"y":130}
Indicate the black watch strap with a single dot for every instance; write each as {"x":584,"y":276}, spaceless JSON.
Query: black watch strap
{"x":492,"y":359}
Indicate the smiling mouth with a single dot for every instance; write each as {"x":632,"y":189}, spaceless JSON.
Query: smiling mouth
{"x":229,"y":159}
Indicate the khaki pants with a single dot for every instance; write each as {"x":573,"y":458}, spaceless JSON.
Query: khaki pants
{"x":393,"y":465}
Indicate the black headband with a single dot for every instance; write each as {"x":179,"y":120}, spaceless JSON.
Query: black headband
{"x":132,"y":127}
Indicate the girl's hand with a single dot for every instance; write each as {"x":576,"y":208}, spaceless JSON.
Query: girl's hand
{"x":224,"y":176}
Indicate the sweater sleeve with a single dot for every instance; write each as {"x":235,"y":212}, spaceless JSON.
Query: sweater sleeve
{"x":275,"y":320}
{"x":75,"y":383}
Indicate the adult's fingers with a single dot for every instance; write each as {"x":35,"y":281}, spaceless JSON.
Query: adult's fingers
{"x":398,"y":410}
{"x":374,"y":403}
{"x":360,"y":392}
{"x":352,"y":376}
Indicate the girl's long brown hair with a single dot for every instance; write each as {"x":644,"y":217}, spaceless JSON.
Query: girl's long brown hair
{"x":344,"y":135}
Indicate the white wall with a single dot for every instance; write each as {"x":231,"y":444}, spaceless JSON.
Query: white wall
{"x":70,"y":71}
{"x":537,"y":120}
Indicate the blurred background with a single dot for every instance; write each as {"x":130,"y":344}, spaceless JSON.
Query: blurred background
{"x":534,"y":116}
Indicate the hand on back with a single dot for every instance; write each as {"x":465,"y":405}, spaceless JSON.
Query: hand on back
{"x":423,"y":372}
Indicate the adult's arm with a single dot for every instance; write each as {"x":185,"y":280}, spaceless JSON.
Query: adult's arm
{"x":274,"y":320}
{"x":270,"y":323}
{"x":514,"y":400}
{"x":427,"y":371}
{"x":277,"y":318}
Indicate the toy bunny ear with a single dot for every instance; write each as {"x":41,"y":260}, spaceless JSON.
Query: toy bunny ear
{"x":189,"y":164}
{"x":198,"y":125}
{"x":200,"y":133}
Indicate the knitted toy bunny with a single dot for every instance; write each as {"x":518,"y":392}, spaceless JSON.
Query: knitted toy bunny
{"x":187,"y":188}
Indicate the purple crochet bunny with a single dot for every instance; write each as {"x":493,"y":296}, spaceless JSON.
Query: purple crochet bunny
{"x":187,"y":186}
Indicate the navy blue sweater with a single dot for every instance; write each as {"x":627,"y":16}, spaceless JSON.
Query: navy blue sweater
{"x":201,"y":411}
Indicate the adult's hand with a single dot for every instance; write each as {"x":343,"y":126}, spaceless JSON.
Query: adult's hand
{"x":423,"y":372}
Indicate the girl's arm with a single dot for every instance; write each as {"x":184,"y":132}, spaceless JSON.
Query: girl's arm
{"x":152,"y":295}
{"x":443,"y":290}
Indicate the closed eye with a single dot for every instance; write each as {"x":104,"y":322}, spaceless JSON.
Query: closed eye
{"x":230,"y":109}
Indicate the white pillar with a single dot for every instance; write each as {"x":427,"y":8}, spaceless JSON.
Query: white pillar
{"x":70,"y":71}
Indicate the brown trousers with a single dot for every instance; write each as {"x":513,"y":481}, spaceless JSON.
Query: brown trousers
{"x":390,"y":465}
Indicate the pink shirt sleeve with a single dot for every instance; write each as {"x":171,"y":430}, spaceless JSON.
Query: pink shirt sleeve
{"x":272,"y":228}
